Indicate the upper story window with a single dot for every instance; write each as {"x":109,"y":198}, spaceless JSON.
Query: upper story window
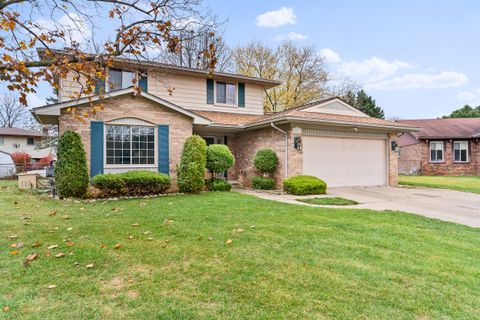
{"x":226,"y":93}
{"x":460,"y":150}
{"x":30,"y":141}
{"x":436,"y":151}
{"x":120,"y":79}
{"x":130,"y":145}
{"x":2,"y":140}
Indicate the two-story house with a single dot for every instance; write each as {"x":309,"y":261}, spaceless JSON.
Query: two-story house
{"x":329,"y":138}
{"x":20,"y":140}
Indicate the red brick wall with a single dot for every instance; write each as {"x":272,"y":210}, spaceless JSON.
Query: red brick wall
{"x":449,"y":167}
{"x":410,"y":159}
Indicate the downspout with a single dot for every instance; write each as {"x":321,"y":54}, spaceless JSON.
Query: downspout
{"x":286,"y":147}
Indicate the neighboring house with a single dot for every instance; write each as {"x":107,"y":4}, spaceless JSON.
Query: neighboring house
{"x":7,"y":166}
{"x":146,"y":130}
{"x":449,"y":147}
{"x":19,"y":140}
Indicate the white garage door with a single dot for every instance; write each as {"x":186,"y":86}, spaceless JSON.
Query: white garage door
{"x":345,"y":161}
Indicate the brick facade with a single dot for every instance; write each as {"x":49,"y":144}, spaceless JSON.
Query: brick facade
{"x":418,"y":155}
{"x":449,"y":167}
{"x":180,"y":126}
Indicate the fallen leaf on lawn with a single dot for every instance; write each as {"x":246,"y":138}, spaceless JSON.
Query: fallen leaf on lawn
{"x":66,"y":217}
{"x":69,"y":229}
{"x":76,"y":263}
{"x":167,"y":241}
{"x":167,"y":221}
{"x":150,"y":238}
{"x":146,"y":232}
{"x":36,"y":245}
{"x":14,"y":252}
{"x":53,"y":246}
{"x":82,"y":208}
{"x":135,"y":224}
{"x":32,"y":256}
{"x":229,"y":241}
{"x":103,"y":246}
{"x":130,"y":281}
{"x":52,"y":213}
{"x":37,"y":206}
{"x":143,"y":204}
{"x":51,"y":286}
{"x":252,"y":226}
{"x":56,"y":228}
{"x":210,"y":238}
{"x":239,"y":230}
{"x":117,"y":246}
{"x":130,"y":237}
{"x":89,"y":266}
{"x":60,"y":255}
{"x":69,"y":244}
{"x":13,"y":237}
{"x":164,"y":245}
{"x":115,"y":209}
{"x":48,"y":254}
{"x":6,"y":309}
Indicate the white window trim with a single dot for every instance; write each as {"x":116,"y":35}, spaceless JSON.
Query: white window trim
{"x":225,"y":104}
{"x":468,"y":153}
{"x":430,"y":152}
{"x":130,"y":166}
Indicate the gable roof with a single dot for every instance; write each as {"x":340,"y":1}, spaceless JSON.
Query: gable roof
{"x":6,"y":131}
{"x":453,"y":128}
{"x":53,"y":110}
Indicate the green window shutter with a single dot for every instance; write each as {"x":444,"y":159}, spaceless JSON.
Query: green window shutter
{"x":163,"y":149}
{"x":143,"y":83}
{"x":241,"y":94}
{"x":100,"y":87}
{"x":210,"y":84}
{"x":96,"y":148}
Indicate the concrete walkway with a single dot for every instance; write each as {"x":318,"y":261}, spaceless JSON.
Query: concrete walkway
{"x":447,"y":205}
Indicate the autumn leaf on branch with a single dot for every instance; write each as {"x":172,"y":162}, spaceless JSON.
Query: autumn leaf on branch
{"x":78,"y":40}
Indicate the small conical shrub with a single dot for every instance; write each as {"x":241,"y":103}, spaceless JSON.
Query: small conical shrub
{"x":191,"y":171}
{"x":71,"y":172}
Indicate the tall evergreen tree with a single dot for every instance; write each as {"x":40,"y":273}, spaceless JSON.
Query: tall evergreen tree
{"x":368,"y":105}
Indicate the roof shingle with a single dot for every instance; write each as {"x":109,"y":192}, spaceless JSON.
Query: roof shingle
{"x":445,"y":128}
{"x":6,"y":131}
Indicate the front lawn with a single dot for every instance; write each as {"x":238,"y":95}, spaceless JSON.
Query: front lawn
{"x":467,"y":183}
{"x":230,"y":256}
{"x":329,"y":201}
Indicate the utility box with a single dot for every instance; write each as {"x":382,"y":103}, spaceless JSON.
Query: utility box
{"x":27,"y":181}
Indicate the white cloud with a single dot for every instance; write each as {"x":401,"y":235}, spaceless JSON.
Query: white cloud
{"x":470,"y":96}
{"x":372,"y":69}
{"x":75,"y":27}
{"x":444,"y":79}
{"x":293,"y":36}
{"x":276,"y":18}
{"x":330,"y":56}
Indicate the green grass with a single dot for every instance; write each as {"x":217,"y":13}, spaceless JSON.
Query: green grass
{"x":297,"y":262}
{"x":329,"y":201}
{"x":466,"y":183}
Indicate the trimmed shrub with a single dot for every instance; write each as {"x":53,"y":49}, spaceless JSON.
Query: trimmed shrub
{"x":132,"y":183}
{"x":303,"y":185}
{"x":266,"y":160}
{"x":218,"y":184}
{"x":219,"y":158}
{"x":71,"y":173}
{"x":263,"y":183}
{"x":191,"y":171}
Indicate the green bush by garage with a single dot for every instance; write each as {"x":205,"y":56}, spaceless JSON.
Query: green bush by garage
{"x":304,"y":185}
{"x":266,"y":161}
{"x":131,"y":183}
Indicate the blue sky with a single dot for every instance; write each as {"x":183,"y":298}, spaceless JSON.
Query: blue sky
{"x":418,"y":59}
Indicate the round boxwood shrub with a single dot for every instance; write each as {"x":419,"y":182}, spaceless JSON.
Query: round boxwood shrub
{"x":219,"y":158}
{"x":71,"y":173}
{"x":218,"y":184}
{"x":266,"y":160}
{"x":303,"y":185}
{"x":132,"y":183}
{"x":263,"y":183}
{"x":191,"y":171}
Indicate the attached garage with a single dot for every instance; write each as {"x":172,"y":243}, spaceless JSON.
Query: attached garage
{"x":346,"y":161}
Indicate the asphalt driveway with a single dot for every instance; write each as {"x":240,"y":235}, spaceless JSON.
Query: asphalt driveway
{"x":447,"y":205}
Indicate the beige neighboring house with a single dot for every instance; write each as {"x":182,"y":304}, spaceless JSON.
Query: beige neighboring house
{"x":20,"y":140}
{"x":146,"y":130}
